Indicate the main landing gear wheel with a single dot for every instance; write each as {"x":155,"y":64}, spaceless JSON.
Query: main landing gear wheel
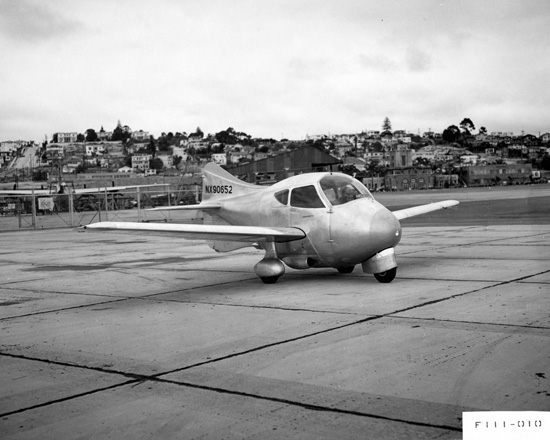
{"x":269,"y":280}
{"x":346,"y":269}
{"x":386,"y":277}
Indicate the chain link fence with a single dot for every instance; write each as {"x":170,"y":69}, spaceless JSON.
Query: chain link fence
{"x":74,"y":210}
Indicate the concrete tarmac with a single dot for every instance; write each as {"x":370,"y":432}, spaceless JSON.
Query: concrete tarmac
{"x":124,"y":336}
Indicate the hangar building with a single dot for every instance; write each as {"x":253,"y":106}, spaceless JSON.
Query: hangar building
{"x":306,"y":159}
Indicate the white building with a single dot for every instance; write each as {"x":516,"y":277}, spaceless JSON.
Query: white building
{"x":66,"y":137}
{"x":220,"y":158}
{"x":140,"y":135}
{"x":92,"y":149}
{"x":141,"y":161}
{"x":469,"y":159}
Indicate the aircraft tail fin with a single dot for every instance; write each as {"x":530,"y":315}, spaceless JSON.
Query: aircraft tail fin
{"x":217,"y":183}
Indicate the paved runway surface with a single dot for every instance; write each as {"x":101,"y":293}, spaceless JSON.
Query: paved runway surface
{"x":122,"y":336}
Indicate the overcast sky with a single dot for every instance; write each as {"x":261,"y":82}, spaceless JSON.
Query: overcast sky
{"x":272,"y":68}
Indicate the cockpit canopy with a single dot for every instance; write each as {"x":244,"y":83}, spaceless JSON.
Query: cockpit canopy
{"x":336,"y":189}
{"x":340,"y":189}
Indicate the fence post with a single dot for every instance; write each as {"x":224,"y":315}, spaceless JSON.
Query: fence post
{"x":18,"y":207}
{"x":71,"y":207}
{"x":139,"y":203}
{"x":106,"y":207}
{"x":33,"y":210}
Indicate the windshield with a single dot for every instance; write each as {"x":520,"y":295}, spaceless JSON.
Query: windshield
{"x":305,"y":197}
{"x":340,"y":189}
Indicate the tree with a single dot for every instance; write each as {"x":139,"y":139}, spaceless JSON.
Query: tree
{"x":156,"y":164}
{"x":377,"y":146}
{"x":467,"y":126}
{"x":423,"y":162}
{"x":218,"y":149}
{"x":163,"y":143}
{"x":227,"y":137}
{"x":118,"y":133}
{"x":199,"y":132}
{"x":451,"y":134}
{"x":482,"y":130}
{"x":545,"y":162}
{"x":176,"y":160}
{"x":348,"y":169}
{"x":151,"y":147}
{"x":386,"y":126}
{"x":91,"y":135}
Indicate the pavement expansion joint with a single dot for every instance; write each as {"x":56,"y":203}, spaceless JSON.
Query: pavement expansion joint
{"x":311,"y":406}
{"x":136,"y":380}
{"x":81,"y":306}
{"x":486,"y":326}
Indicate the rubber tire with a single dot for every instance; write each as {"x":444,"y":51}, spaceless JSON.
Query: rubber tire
{"x":269,"y":280}
{"x":386,"y":277}
{"x":345,"y":269}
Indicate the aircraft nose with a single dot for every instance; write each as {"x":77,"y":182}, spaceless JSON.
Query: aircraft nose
{"x":385,"y":230}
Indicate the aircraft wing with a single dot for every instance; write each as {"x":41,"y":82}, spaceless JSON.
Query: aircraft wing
{"x":249,"y":234}
{"x":201,"y":206}
{"x":115,"y":188}
{"x":25,"y":192}
{"x":46,"y":192}
{"x":423,"y":209}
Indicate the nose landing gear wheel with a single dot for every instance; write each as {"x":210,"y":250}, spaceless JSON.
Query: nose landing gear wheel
{"x":386,"y":277}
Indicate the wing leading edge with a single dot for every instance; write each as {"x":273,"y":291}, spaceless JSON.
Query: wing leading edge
{"x":199,"y":207}
{"x":77,"y":191}
{"x":423,"y":209}
{"x":247,"y":234}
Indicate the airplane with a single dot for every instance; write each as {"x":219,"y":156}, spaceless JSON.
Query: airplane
{"x":313,"y":220}
{"x":61,"y":191}
{"x":65,"y":189}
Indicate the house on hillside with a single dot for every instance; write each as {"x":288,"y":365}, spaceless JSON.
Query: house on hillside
{"x":63,"y":138}
{"x":8,"y":150}
{"x":103,"y":135}
{"x":92,"y":149}
{"x":219,"y":158}
{"x":141,"y":161}
{"x":140,"y":135}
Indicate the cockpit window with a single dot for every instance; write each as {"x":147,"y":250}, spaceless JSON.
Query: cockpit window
{"x":306,"y":197}
{"x":342,"y":189}
{"x":282,"y":196}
